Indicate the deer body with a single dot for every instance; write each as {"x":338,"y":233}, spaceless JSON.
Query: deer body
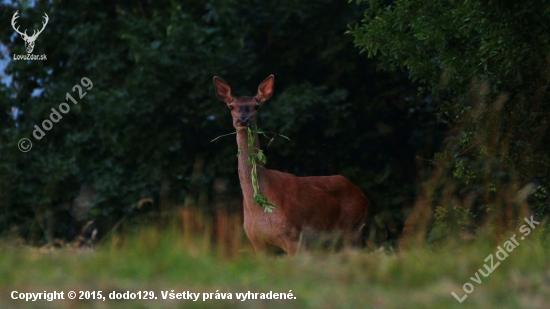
{"x":320,"y":204}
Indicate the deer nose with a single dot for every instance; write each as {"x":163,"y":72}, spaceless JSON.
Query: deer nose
{"x":244,"y":121}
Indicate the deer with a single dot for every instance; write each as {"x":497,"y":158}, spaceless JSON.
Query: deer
{"x":322,"y":204}
{"x":29,"y":40}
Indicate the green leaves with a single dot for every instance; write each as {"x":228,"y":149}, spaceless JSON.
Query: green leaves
{"x":260,"y":155}
{"x":262,"y":201}
{"x":485,"y":63}
{"x":152,"y":109}
{"x":257,"y":154}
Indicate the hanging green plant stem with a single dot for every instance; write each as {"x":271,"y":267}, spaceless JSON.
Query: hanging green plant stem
{"x":255,"y":155}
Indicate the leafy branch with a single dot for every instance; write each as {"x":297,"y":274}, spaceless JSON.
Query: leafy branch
{"x":256,"y":155}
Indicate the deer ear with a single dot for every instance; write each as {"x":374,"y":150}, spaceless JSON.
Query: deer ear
{"x":223,"y":91}
{"x":265,"y":90}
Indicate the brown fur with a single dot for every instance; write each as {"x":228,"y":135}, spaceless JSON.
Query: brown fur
{"x":321,"y":204}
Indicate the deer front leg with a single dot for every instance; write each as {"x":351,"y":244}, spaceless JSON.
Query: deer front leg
{"x":291,"y":247}
{"x":291,"y":241}
{"x":259,"y":245}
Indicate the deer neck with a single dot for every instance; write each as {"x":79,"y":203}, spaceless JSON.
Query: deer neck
{"x":245,"y":169}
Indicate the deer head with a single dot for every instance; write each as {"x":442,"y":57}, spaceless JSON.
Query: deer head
{"x":29,"y":40}
{"x":244,"y":109}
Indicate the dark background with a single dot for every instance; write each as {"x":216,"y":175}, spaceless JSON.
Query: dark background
{"x":139,"y":142}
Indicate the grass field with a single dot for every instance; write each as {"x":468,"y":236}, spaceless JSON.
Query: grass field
{"x":165,"y":261}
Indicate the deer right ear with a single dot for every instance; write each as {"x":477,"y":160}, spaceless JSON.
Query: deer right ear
{"x":265,"y":90}
{"x":223,"y":91}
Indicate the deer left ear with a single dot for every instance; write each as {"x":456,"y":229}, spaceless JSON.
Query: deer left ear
{"x":223,"y":91}
{"x":265,"y":90}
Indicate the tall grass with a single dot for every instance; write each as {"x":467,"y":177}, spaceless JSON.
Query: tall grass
{"x":476,"y":188}
{"x":192,"y":259}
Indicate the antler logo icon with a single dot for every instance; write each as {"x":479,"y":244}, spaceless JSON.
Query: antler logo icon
{"x":29,"y":40}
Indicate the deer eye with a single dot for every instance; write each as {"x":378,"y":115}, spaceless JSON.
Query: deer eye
{"x":256,"y":107}
{"x":231,"y":107}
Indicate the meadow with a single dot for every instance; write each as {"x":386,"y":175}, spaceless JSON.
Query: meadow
{"x":438,"y":111}
{"x":171,"y":261}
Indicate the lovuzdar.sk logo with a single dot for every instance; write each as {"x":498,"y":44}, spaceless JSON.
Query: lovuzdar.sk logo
{"x":29,"y":39}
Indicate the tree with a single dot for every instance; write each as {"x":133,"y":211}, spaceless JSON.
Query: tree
{"x":152,"y":112}
{"x":487,"y":63}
